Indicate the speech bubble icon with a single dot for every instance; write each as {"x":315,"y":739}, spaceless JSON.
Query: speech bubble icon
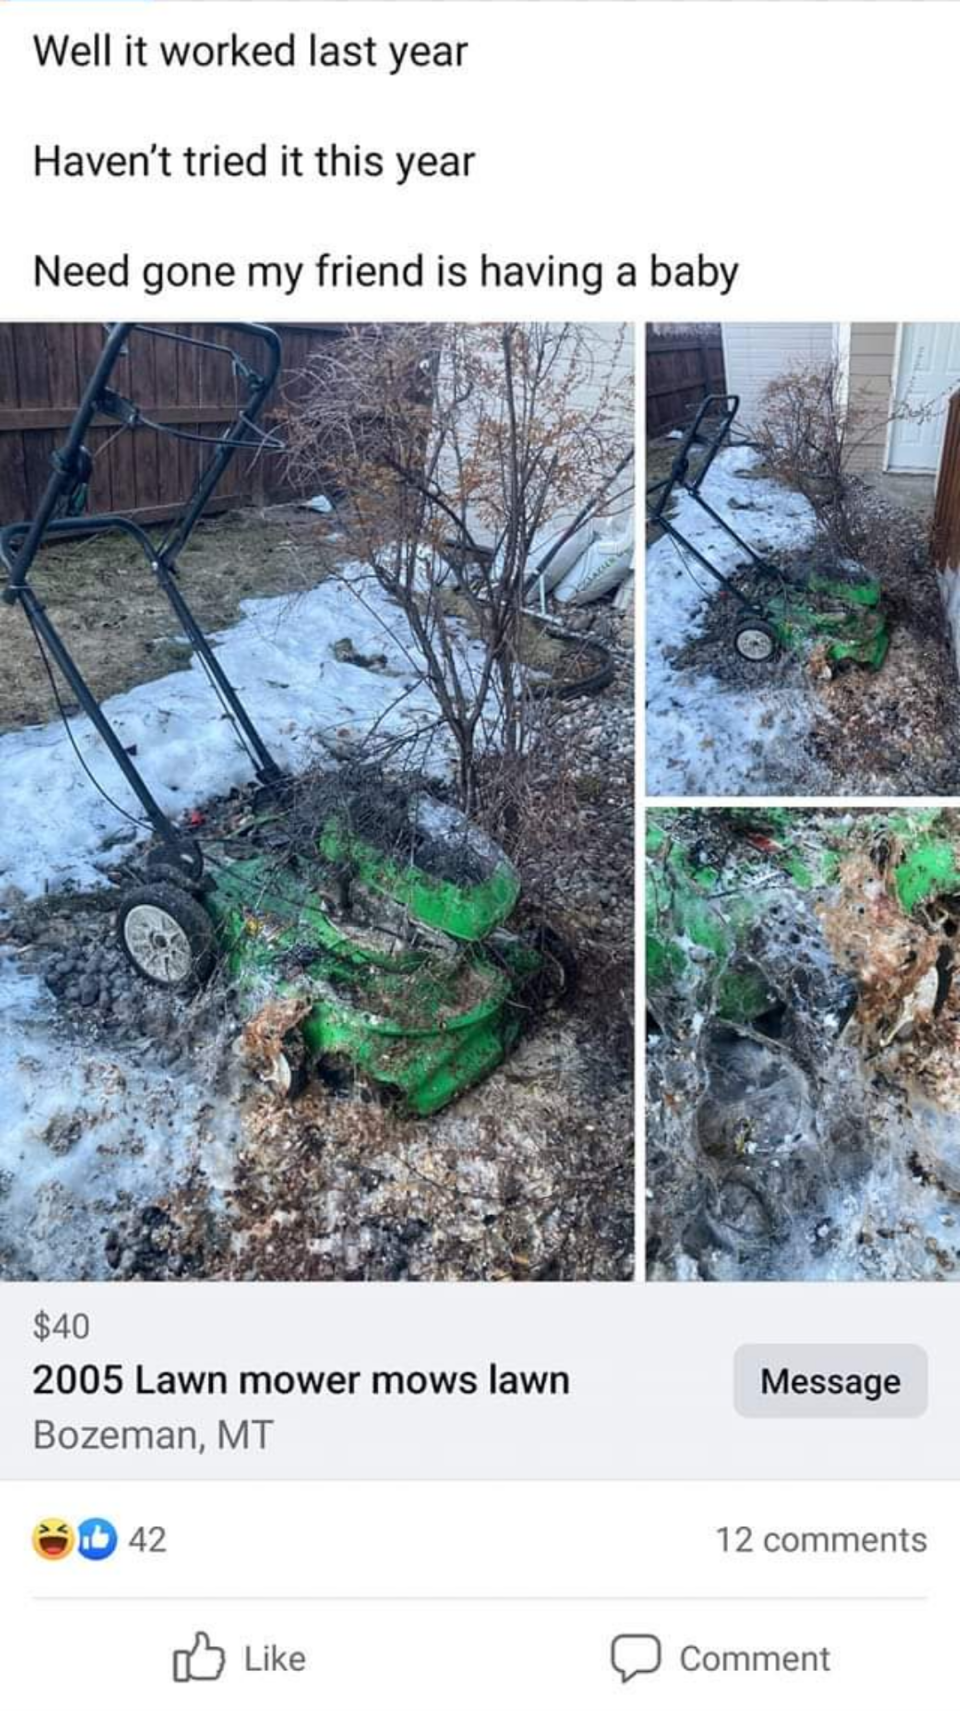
{"x":636,"y":1654}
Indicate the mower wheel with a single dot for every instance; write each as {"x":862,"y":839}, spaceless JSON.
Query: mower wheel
{"x":167,"y":936}
{"x":182,"y":865}
{"x":755,"y":641}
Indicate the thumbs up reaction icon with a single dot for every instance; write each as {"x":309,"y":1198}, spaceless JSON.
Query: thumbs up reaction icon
{"x":203,"y":1662}
{"x":97,"y":1538}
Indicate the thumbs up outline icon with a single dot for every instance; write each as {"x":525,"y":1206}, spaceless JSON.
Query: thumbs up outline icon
{"x":203,"y":1662}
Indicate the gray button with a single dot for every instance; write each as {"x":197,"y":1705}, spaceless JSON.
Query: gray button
{"x":831,"y":1381}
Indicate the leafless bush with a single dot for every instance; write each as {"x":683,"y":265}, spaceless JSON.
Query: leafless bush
{"x":804,"y":434}
{"x":813,"y":429}
{"x":451,"y":450}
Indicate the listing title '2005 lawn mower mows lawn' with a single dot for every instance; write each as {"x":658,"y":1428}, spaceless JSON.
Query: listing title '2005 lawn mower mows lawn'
{"x":365,"y":925}
{"x":825,"y":607}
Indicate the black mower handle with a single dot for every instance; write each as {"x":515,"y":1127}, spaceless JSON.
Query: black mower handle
{"x":20,"y":542}
{"x":71,"y":457}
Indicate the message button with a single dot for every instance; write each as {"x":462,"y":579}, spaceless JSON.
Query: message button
{"x":833,"y":1381}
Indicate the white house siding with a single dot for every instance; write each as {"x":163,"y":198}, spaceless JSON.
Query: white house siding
{"x":756,"y":352}
{"x":872,"y":349}
{"x":615,"y":355}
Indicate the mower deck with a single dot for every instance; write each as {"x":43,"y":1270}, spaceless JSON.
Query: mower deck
{"x":845,"y":619}
{"x":406,"y":976}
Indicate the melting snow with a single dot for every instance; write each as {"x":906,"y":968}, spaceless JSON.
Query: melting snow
{"x":704,"y":737}
{"x":57,"y":831}
{"x":84,"y":1137}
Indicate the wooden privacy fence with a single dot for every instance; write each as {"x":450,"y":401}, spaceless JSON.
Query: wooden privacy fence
{"x":945,"y":540}
{"x":43,"y":369}
{"x":682,"y":370}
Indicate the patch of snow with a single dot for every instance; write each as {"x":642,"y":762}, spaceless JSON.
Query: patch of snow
{"x":892,"y":1227}
{"x":703,"y":736}
{"x":84,"y":1138}
{"x":57,"y":832}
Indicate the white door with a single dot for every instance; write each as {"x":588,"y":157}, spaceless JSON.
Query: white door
{"x":929,"y":371}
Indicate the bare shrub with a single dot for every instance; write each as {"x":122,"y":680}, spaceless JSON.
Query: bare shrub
{"x":804,"y":435}
{"x":451,"y":450}
{"x":812,"y":430}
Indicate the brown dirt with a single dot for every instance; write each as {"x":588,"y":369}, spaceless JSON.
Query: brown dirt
{"x":896,"y":730}
{"x":907,"y":1018}
{"x":118,"y":624}
{"x":660,"y":456}
{"x":264,"y":1038}
{"x":524,"y":1178}
{"x":893,"y":731}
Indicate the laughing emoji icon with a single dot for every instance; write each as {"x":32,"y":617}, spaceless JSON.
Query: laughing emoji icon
{"x":53,"y":1539}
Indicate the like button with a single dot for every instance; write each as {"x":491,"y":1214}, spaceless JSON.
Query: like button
{"x":204,"y":1663}
{"x":96,"y":1539}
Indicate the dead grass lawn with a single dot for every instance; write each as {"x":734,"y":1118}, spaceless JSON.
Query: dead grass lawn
{"x":103,"y":597}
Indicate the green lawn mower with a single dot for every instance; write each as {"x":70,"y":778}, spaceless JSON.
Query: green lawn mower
{"x":840,"y":613}
{"x":366,"y":925}
{"x":703,"y":912}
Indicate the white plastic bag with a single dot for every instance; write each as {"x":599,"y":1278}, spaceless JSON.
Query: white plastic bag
{"x":604,"y":565}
